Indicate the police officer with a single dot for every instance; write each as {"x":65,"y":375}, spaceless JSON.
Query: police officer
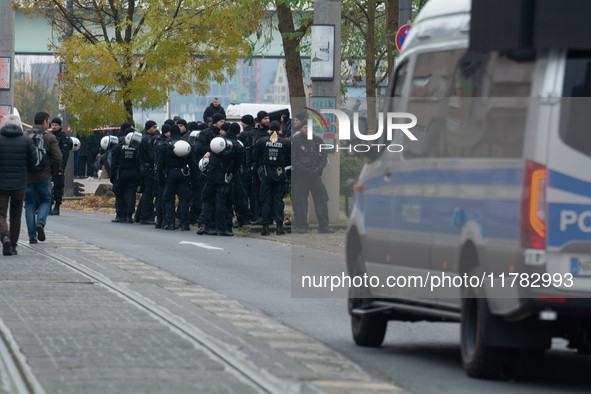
{"x":197,"y":183}
{"x":159,"y":143}
{"x":202,"y":149}
{"x":125,"y":176}
{"x":217,"y":193}
{"x":273,"y":155}
{"x":259,"y":133}
{"x":308,"y":163}
{"x":145,"y":209}
{"x":239,"y":194}
{"x":65,"y":144}
{"x":246,"y":137}
{"x":177,"y":165}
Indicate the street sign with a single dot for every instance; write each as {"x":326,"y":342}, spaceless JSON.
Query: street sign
{"x":401,"y":36}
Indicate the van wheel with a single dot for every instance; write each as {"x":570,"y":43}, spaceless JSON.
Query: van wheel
{"x":368,"y":330}
{"x":479,"y":360}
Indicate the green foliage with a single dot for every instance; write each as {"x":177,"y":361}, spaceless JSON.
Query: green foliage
{"x":120,"y":55}
{"x":350,"y":168}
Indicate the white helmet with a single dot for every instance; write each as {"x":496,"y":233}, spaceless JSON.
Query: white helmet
{"x":203,"y":163}
{"x":193,"y":136}
{"x":181,"y":148}
{"x":75,"y":144}
{"x":133,"y":139}
{"x":220,"y":145}
{"x":109,"y":141}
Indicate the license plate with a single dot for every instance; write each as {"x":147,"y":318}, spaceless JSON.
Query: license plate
{"x":580,"y":267}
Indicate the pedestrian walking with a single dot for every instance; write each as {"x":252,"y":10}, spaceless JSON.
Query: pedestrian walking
{"x":59,"y":179}
{"x":17,"y":155}
{"x":39,"y":179}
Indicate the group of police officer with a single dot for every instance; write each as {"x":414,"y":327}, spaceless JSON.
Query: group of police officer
{"x":217,"y":170}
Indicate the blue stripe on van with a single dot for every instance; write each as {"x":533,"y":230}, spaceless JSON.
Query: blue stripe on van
{"x":561,"y":181}
{"x":496,"y":218}
{"x":482,"y":176}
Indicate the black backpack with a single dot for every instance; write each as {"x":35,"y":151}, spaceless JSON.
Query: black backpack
{"x":39,"y":142}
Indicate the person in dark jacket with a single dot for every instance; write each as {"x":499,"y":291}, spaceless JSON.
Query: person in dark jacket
{"x":308,"y":163}
{"x":178,"y":172}
{"x":255,"y":199}
{"x":202,"y":149}
{"x":246,"y":137}
{"x":273,"y":154}
{"x":212,"y":109}
{"x":94,"y":148}
{"x":159,"y":144}
{"x":147,"y":172}
{"x":125,"y":177}
{"x":83,"y":167}
{"x":217,"y":193}
{"x":39,"y":182}
{"x":59,"y":180}
{"x":17,"y":155}
{"x":240,"y":200}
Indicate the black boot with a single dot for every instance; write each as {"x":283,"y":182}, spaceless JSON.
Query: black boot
{"x":6,"y":246}
{"x":169,"y":227}
{"x":129,"y":218}
{"x":185,"y":228}
{"x":119,"y":219}
{"x":56,"y":210}
{"x":158,"y":224}
{"x":265,"y":230}
{"x":202,"y":229}
{"x":280,"y":229}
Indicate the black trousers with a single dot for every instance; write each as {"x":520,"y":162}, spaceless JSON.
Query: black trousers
{"x":217,"y":200}
{"x":177,"y":184}
{"x":243,"y":214}
{"x":196,"y":201}
{"x":146,"y":205}
{"x":159,"y":202}
{"x":11,"y":201}
{"x":272,"y":195}
{"x":125,"y":189}
{"x":59,"y":181}
{"x":82,"y":164}
{"x":255,"y":197}
{"x":91,"y":160}
{"x":302,"y":184}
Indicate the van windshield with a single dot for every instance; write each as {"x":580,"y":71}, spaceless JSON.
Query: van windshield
{"x":575,"y":114}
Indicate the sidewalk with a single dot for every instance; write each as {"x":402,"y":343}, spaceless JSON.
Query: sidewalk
{"x":82,"y":333}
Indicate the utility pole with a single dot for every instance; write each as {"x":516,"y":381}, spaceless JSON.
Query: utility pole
{"x":328,"y":12}
{"x":69,"y":174}
{"x":6,"y":58}
{"x":405,"y":12}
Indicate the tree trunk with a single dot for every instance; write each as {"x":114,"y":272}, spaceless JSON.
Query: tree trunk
{"x":391,"y":30}
{"x":370,"y":66}
{"x":293,"y":61}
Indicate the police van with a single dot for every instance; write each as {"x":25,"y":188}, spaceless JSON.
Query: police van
{"x":497,"y":186}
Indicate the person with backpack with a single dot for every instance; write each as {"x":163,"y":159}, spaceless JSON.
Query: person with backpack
{"x":17,"y":155}
{"x":39,"y":177}
{"x":59,"y":179}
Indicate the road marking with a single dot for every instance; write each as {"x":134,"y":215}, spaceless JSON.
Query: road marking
{"x":201,"y":245}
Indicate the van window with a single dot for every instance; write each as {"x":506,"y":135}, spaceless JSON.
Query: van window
{"x":487,"y":108}
{"x":469,"y":104}
{"x":430,"y":85}
{"x":399,"y":80}
{"x":575,"y":114}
